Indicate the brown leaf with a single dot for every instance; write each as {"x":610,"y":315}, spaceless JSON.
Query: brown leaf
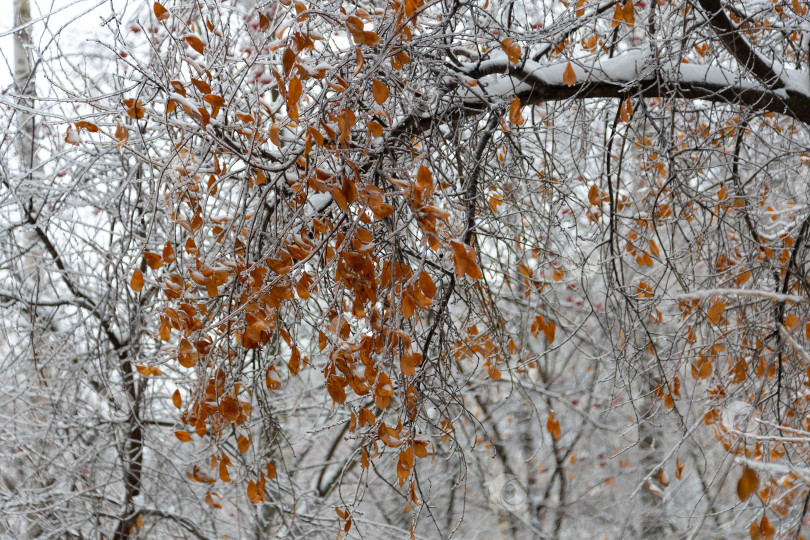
{"x":135,"y":108}
{"x":243,"y":443}
{"x":272,"y":379}
{"x":253,"y":493}
{"x":747,"y":484}
{"x":618,"y":16}
{"x":464,"y":259}
{"x":274,"y":129}
{"x":593,"y":196}
{"x":511,"y":49}
{"x":122,"y":134}
{"x":89,"y":126}
{"x":549,"y":331}
{"x":287,"y":61}
{"x":294,"y":92}
{"x":334,"y":385}
{"x":514,"y":113}
{"x":380,"y":91}
{"x":427,"y":285}
{"x":154,"y":260}
{"x":137,"y":280}
{"x":295,"y":362}
{"x":375,"y":128}
{"x":628,"y":13}
{"x":409,"y":362}
{"x":160,"y":12}
{"x":715,"y":311}
{"x":212,"y":499}
{"x":553,"y":426}
{"x":195,"y":43}
{"x":184,"y":436}
{"x":569,"y":77}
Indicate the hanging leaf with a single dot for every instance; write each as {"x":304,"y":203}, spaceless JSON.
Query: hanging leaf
{"x":243,"y":443}
{"x":464,"y":259}
{"x":628,"y":13}
{"x":295,"y":91}
{"x":593,"y":196}
{"x":154,"y":260}
{"x":375,"y":128}
{"x":212,"y":499}
{"x":553,"y":426}
{"x":195,"y":43}
{"x":160,"y":12}
{"x":427,"y":285}
{"x":747,"y":484}
{"x":253,"y":493}
{"x":618,"y":16}
{"x":135,"y":108}
{"x":295,"y":362}
{"x":409,"y":362}
{"x":715,"y":311}
{"x":122,"y":134}
{"x":514,"y":113}
{"x":380,"y":91}
{"x":137,"y":280}
{"x":92,"y":128}
{"x":511,"y":49}
{"x":569,"y":77}
{"x":274,"y":131}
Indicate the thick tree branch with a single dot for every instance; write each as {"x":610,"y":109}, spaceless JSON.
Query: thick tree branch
{"x":738,"y":46}
{"x":638,"y":71}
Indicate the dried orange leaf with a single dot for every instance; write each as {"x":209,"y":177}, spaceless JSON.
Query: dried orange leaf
{"x":122,"y":134}
{"x":137,"y":280}
{"x":569,"y":77}
{"x":380,"y":92}
{"x":154,"y":260}
{"x":161,"y":12}
{"x":511,"y":49}
{"x":514,"y":113}
{"x":553,"y":426}
{"x":715,"y":311}
{"x":628,"y":13}
{"x":135,"y":108}
{"x":747,"y":484}
{"x":243,"y":443}
{"x":618,"y":16}
{"x":195,"y":43}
